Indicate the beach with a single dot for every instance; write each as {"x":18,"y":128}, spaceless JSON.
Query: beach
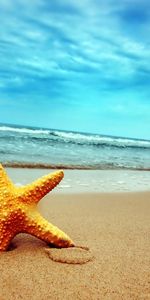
{"x":115,"y":225}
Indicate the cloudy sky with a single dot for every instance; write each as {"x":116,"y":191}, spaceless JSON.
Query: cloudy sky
{"x":76,"y":65}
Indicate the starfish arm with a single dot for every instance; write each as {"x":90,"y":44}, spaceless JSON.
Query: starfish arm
{"x":34,"y":192}
{"x":5,"y":242}
{"x":11,"y":223}
{"x":5,"y":237}
{"x":42,"y":229}
{"x":5,"y":182}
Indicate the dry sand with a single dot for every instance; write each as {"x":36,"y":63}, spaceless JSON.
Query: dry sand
{"x":116,"y":228}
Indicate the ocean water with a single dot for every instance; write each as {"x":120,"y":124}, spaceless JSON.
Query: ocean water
{"x":38,"y":147}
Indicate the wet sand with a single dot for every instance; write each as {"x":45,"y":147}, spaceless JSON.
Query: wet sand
{"x":88,"y":181}
{"x":116,"y":228}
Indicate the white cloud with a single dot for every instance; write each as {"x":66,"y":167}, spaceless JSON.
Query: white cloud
{"x":46,"y":41}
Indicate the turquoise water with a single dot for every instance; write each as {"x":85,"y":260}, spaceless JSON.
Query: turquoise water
{"x":38,"y":147}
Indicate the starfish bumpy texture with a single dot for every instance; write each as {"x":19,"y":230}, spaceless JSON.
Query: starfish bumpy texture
{"x":19,"y":214}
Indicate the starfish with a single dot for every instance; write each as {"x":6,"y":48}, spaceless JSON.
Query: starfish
{"x":19,"y":213}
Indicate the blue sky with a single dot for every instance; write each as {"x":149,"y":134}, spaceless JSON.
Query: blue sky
{"x":76,"y":65}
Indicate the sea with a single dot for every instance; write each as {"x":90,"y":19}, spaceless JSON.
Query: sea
{"x":22,"y":146}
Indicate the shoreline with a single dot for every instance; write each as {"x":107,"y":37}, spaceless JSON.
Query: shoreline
{"x":88,"y":181}
{"x":108,"y":167}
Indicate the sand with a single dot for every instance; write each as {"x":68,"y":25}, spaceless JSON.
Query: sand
{"x":116,"y":228}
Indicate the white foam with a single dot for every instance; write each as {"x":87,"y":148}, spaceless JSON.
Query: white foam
{"x":81,"y":181}
{"x":91,"y":138}
{"x":64,"y":186}
{"x":107,"y":181}
{"x":18,"y":184}
{"x":24,"y":130}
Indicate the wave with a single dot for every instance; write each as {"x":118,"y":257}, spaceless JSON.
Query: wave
{"x":98,"y":140}
{"x":24,"y":130}
{"x":76,"y":138}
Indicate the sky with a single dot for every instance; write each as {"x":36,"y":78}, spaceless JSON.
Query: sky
{"x":76,"y":65}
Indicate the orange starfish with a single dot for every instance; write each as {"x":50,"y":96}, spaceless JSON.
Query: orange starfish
{"x":18,"y":211}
